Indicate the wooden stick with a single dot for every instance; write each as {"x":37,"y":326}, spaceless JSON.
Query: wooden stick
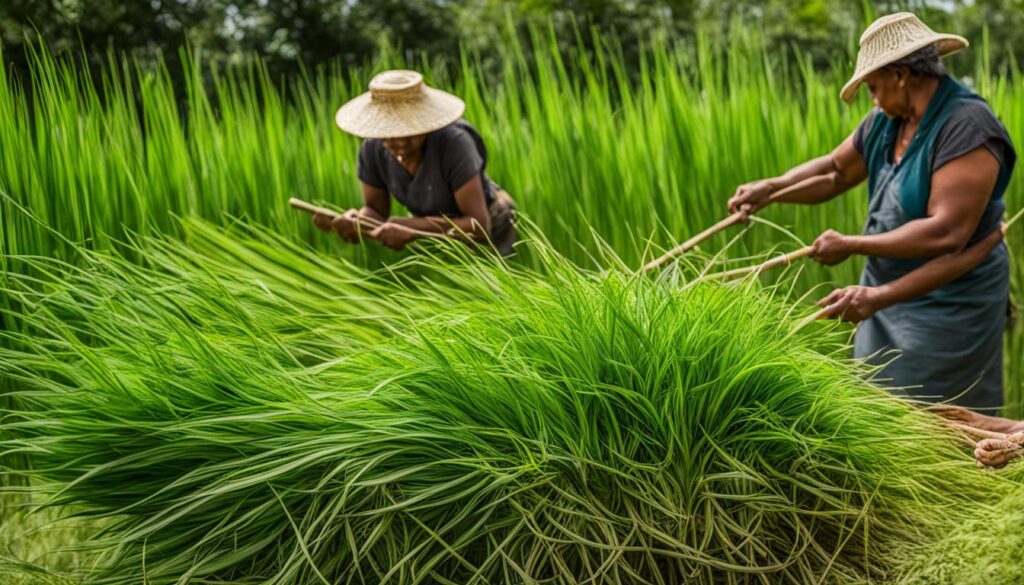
{"x":362,"y":219}
{"x":727,"y":222}
{"x":779,"y":261}
{"x":692,"y":242}
{"x":309,"y":207}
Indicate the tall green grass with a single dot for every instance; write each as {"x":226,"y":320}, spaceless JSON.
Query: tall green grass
{"x":584,"y":146}
{"x":232,"y":420}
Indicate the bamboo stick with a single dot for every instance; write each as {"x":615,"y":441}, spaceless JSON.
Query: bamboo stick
{"x":692,"y":242}
{"x":721,"y":225}
{"x":757,"y":269}
{"x":373,"y":223}
{"x":310,"y":208}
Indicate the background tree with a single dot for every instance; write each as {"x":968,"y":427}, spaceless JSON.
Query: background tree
{"x":286,"y":32}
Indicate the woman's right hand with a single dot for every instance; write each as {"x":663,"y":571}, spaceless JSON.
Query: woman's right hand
{"x":322,"y":221}
{"x":347,"y":226}
{"x":751,"y":197}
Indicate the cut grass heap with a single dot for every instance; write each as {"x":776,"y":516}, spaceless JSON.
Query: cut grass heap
{"x":236,"y":422}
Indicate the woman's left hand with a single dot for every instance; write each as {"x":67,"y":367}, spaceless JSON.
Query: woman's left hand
{"x":852,"y":304}
{"x":831,"y":247}
{"x":393,"y":235}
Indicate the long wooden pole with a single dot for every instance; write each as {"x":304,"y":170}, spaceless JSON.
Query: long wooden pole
{"x":310,"y":208}
{"x":697,"y":239}
{"x":692,"y":242}
{"x":373,"y":223}
{"x":758,"y":268}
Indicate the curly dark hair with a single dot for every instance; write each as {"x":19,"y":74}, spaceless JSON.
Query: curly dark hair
{"x":922,"y":62}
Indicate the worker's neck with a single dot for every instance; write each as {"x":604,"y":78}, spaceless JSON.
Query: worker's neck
{"x":920,"y":99}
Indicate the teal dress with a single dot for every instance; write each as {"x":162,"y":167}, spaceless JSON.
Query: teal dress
{"x":946,"y":345}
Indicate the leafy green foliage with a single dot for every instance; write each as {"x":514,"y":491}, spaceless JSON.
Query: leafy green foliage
{"x":287,"y":33}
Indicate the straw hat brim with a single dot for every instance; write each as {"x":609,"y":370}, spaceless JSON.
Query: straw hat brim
{"x":947,"y":45}
{"x":432,"y":110}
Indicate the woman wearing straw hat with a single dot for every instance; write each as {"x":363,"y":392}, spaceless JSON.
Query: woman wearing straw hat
{"x":937,"y":161}
{"x":418,"y":150}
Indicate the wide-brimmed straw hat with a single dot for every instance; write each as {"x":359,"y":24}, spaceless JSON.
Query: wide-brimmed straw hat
{"x":891,"y":38}
{"x":399,"y":104}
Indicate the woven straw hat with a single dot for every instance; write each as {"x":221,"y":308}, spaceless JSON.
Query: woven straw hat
{"x":891,"y":38}
{"x":398,"y":104}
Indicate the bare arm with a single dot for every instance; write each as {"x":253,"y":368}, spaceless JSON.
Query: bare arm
{"x":474,"y":221}
{"x":941,"y":271}
{"x":837,"y":172}
{"x":960,"y":192}
{"x":814,"y":181}
{"x":376,"y":205}
{"x":856,"y":303}
{"x":958,"y":414}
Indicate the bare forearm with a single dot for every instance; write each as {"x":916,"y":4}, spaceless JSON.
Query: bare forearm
{"x":997,"y":424}
{"x":939,"y":272}
{"x":960,"y":193}
{"x":921,"y":238}
{"x":816,"y":189}
{"x":441,"y":224}
{"x":370,"y":212}
{"x":813,"y":168}
{"x":814,"y":181}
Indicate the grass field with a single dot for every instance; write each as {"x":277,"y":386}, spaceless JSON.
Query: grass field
{"x":597,"y":158}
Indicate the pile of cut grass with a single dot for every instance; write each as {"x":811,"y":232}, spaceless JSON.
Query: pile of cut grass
{"x":233,"y":421}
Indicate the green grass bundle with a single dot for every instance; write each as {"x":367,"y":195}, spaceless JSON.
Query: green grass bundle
{"x":233,"y":422}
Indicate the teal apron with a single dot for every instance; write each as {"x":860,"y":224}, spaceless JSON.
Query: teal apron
{"x":946,"y":345}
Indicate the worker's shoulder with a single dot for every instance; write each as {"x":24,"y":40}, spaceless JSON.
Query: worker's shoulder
{"x":869,"y":119}
{"x":973,"y":111}
{"x":972,"y":120}
{"x":459,"y":132}
{"x":371,"y":148}
{"x":459,"y":140}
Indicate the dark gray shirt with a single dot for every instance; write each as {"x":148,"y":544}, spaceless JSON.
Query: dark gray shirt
{"x":451,"y":157}
{"x":972,"y":124}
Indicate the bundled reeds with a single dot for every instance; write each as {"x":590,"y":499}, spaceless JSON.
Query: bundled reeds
{"x":239,"y":411}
